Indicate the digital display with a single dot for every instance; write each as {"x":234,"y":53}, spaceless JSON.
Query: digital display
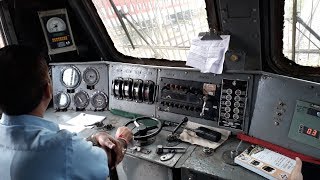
{"x":310,"y":132}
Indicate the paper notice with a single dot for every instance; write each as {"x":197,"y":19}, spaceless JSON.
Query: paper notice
{"x":208,"y":55}
{"x":84,"y":119}
{"x":71,"y":128}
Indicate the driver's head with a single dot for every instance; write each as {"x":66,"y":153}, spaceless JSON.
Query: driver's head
{"x":24,"y":79}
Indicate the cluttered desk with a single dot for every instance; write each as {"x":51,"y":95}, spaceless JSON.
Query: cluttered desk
{"x":161,"y":156}
{"x":184,"y":122}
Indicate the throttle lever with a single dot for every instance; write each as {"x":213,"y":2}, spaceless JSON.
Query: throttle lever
{"x":185,"y":119}
{"x":172,"y":137}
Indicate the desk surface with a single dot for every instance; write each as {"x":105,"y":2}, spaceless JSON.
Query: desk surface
{"x":194,"y":159}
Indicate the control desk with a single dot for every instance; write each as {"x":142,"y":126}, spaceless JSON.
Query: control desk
{"x":261,"y":105}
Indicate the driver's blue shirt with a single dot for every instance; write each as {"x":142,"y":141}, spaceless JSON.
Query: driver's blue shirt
{"x":33,"y":148}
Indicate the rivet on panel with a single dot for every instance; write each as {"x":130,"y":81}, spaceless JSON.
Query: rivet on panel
{"x":234,"y":58}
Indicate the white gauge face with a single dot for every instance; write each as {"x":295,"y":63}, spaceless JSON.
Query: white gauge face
{"x":81,"y":99}
{"x":91,"y":76}
{"x":70,"y":77}
{"x":56,"y":24}
{"x":62,"y":100}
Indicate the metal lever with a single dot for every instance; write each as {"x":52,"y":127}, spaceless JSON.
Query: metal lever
{"x":172,"y":137}
{"x":185,"y":119}
{"x":205,"y":98}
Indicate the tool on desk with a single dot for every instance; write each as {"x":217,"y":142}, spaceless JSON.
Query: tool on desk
{"x":207,"y":133}
{"x":167,"y":156}
{"x":140,"y":149}
{"x":173,"y":137}
{"x":160,"y":149}
{"x":101,"y":125}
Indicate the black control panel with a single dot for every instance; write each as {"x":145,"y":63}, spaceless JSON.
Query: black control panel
{"x":233,"y":103}
{"x":192,"y":98}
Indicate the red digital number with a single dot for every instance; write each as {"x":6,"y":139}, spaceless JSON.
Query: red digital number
{"x":314,"y":132}
{"x":309,"y":131}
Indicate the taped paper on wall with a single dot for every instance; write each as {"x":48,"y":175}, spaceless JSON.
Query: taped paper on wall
{"x":208,"y":55}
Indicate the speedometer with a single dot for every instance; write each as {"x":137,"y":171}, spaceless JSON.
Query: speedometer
{"x":99,"y":100}
{"x":91,"y":76}
{"x":81,"y":99}
{"x":70,"y":77}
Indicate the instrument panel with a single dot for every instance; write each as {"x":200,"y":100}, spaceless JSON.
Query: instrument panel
{"x":215,"y":100}
{"x":80,"y":87}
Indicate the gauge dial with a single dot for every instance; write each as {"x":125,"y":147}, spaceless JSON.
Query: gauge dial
{"x":99,"y":100}
{"x":81,"y":99}
{"x":56,"y":24}
{"x":70,"y":77}
{"x":91,"y":76}
{"x":62,"y":100}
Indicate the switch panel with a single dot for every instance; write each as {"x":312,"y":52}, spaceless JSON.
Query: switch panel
{"x":189,"y":98}
{"x":233,"y":103}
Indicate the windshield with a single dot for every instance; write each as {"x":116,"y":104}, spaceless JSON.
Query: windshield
{"x":161,"y":29}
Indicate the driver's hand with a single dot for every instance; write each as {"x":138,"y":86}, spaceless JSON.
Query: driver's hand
{"x":124,"y":133}
{"x":296,"y":172}
{"x":113,"y":147}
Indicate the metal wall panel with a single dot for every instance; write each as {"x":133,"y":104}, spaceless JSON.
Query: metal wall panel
{"x":274,"y":107}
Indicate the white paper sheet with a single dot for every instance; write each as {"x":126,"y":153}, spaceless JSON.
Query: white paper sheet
{"x":85,"y":119}
{"x":71,"y":128}
{"x":208,"y":55}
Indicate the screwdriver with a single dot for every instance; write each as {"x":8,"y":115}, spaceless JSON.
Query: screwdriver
{"x":207,"y":133}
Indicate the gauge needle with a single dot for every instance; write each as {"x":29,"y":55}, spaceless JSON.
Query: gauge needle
{"x":80,"y":99}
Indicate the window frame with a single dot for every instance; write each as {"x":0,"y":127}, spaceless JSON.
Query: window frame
{"x":100,"y":31}
{"x":277,"y":61}
{"x":6,"y":26}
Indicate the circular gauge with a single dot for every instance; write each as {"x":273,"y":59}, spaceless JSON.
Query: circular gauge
{"x":70,"y":77}
{"x":56,"y":24}
{"x":91,"y":76}
{"x":62,"y":100}
{"x":99,"y":100}
{"x":81,"y":99}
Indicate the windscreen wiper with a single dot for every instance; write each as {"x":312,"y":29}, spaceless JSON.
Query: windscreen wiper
{"x":121,"y":22}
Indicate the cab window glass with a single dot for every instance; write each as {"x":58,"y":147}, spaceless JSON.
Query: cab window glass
{"x":301,"y":37}
{"x":1,"y":41}
{"x":161,"y":29}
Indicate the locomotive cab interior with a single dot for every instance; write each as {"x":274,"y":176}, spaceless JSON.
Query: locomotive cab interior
{"x":248,"y":70}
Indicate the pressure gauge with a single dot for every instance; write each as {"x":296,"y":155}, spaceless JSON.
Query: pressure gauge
{"x":57,"y":31}
{"x":91,"y":76}
{"x":70,"y":77}
{"x":81,"y":99}
{"x":99,"y":100}
{"x":62,"y":100}
{"x":56,"y":24}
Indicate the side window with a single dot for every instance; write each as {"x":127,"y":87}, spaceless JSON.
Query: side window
{"x":1,"y":41}
{"x":161,"y":29}
{"x":301,"y":38}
